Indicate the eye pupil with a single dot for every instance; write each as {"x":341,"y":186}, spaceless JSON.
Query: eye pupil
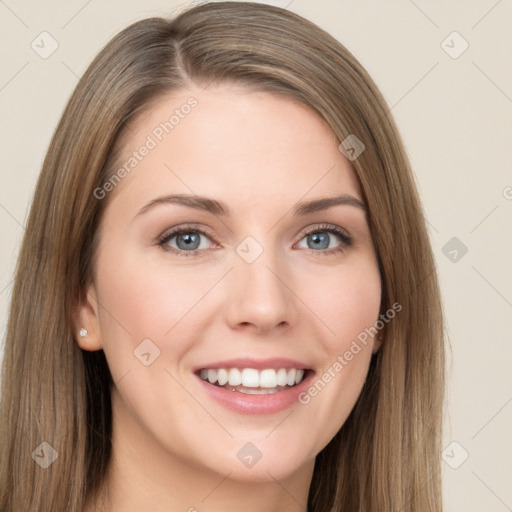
{"x":189,"y":240}
{"x":321,"y":241}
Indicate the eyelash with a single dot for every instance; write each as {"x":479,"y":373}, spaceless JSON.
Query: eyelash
{"x":346,"y":240}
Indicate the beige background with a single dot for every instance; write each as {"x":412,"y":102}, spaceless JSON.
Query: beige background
{"x":455,"y":117}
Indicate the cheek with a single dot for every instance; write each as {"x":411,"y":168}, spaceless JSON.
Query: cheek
{"x":349,"y":304}
{"x":351,"y":311}
{"x":147,"y":297}
{"x":139,"y":302}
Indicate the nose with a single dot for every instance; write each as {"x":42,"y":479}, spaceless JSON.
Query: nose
{"x":260,"y":295}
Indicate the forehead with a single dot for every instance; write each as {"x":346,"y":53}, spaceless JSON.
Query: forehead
{"x":233,"y":143}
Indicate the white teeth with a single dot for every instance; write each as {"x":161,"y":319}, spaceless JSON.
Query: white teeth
{"x":252,"y":378}
{"x":234,"y":377}
{"x":282,"y":377}
{"x":268,"y":379}
{"x":222,"y":376}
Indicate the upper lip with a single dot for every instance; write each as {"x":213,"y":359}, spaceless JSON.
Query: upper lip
{"x":257,"y":364}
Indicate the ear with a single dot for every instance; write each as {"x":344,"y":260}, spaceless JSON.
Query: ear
{"x":378,"y":340}
{"x":87,"y":330}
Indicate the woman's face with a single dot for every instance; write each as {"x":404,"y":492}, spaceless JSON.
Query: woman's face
{"x":239,"y":280}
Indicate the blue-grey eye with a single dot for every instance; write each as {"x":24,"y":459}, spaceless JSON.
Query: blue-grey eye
{"x":186,"y":240}
{"x":321,"y":240}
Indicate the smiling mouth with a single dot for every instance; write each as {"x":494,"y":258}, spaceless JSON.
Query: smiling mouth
{"x":252,"y":381}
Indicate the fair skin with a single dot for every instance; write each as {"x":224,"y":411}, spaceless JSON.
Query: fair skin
{"x":174,"y":446}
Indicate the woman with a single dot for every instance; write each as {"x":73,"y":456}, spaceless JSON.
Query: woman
{"x":226,"y":296}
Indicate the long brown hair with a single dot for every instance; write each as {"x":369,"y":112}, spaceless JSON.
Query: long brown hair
{"x":386,"y":457}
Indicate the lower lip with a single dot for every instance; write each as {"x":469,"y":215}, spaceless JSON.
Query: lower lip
{"x":256,"y":404}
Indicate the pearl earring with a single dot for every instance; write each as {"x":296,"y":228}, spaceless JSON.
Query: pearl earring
{"x":83,"y":332}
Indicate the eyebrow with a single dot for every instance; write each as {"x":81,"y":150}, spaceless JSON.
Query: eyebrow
{"x":221,"y":209}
